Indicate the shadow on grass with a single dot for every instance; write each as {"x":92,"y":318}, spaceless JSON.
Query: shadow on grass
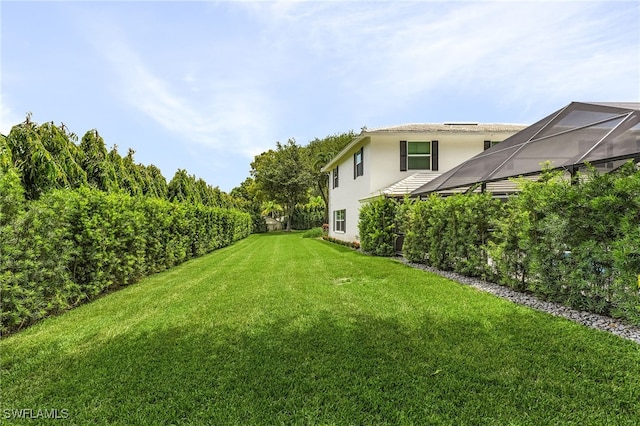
{"x":344,"y":369}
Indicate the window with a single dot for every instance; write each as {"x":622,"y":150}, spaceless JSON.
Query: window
{"x":418,"y":155}
{"x":339,"y":220}
{"x":335,"y":177}
{"x":489,"y":144}
{"x":358,"y":163}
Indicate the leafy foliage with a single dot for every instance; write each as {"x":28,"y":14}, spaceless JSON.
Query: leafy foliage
{"x":282,"y":176}
{"x":319,"y":152}
{"x":70,"y":246}
{"x":309,"y":215}
{"x":451,"y":233}
{"x":276,"y":173}
{"x":45,"y":157}
{"x":78,"y":220}
{"x":575,"y":243}
{"x":377,"y":226}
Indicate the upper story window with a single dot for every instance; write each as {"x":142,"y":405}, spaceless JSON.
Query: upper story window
{"x":418,"y":155}
{"x":358,"y":163}
{"x":335,"y":177}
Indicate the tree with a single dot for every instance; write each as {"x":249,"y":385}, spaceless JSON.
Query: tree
{"x":183,"y":187}
{"x":283,"y":176}
{"x":45,"y":156}
{"x":319,"y":153}
{"x":94,"y":161}
{"x":245,"y":197}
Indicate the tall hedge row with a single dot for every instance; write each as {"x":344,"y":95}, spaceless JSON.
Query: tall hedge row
{"x":577,"y":243}
{"x":451,"y":233}
{"x":69,"y":246}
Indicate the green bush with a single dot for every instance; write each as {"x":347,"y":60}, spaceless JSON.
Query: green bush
{"x":313,"y":233}
{"x":451,"y":233}
{"x":377,"y":226}
{"x":577,"y":244}
{"x":68,"y":247}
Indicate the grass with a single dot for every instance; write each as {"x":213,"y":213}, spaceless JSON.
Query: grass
{"x":278,"y":329}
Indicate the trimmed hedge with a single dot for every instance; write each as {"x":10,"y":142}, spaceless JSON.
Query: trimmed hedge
{"x":70,"y":246}
{"x":377,"y":226}
{"x":451,"y":233}
{"x":577,"y":244}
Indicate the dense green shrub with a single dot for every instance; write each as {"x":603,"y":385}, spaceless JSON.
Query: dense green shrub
{"x":377,"y":226}
{"x":67,"y":247}
{"x":451,"y":233}
{"x":313,"y":233}
{"x":309,"y":215}
{"x":578,"y":244}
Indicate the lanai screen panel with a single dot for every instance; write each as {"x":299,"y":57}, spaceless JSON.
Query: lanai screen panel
{"x":580,"y":116}
{"x":577,"y":134}
{"x":560,"y":150}
{"x":624,"y":144}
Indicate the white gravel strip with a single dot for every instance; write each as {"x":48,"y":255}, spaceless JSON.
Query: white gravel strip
{"x":589,"y":319}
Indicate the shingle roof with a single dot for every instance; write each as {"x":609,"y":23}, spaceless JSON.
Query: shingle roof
{"x":426,"y":128}
{"x":448,"y":127}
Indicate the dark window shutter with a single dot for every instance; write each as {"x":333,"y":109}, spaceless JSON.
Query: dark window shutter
{"x":434,"y":156}
{"x":355,"y":165}
{"x":487,"y":145}
{"x":403,"y":156}
{"x":362,"y":161}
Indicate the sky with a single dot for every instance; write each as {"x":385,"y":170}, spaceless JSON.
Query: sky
{"x":207,"y":85}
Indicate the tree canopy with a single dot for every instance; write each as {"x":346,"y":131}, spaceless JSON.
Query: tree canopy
{"x":283,"y":176}
{"x":291,"y":175}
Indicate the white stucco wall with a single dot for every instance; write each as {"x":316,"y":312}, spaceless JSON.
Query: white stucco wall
{"x":348,"y":192}
{"x":382,"y":167}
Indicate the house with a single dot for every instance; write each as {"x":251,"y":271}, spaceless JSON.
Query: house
{"x":603,"y":135}
{"x":394,"y":161}
{"x":273,"y":224}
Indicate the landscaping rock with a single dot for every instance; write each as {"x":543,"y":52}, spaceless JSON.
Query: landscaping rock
{"x":589,"y":319}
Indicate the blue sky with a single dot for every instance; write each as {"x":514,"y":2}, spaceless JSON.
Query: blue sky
{"x":207,"y":85}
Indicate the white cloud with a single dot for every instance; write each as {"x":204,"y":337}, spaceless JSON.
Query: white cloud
{"x":223,"y":115}
{"x":8,"y":118}
{"x":283,"y":58}
{"x":386,"y":51}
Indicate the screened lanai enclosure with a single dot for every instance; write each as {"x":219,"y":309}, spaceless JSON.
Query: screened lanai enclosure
{"x":602,"y":135}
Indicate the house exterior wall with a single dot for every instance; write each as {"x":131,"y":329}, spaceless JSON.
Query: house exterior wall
{"x":381,"y":153}
{"x":348,"y":193}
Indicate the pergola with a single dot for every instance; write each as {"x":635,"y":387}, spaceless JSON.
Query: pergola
{"x":603,"y":135}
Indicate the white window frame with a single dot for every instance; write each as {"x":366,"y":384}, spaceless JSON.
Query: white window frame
{"x":340,"y":221}
{"x":358,"y":163}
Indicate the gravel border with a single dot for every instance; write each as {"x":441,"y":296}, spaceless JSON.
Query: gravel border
{"x":589,"y":319}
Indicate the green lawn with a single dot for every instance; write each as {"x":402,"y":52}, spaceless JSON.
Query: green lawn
{"x":278,"y":329}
